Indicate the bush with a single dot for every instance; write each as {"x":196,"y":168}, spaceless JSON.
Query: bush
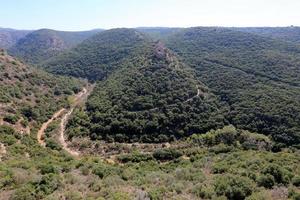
{"x":166,"y":154}
{"x":52,"y":144}
{"x":266,"y":181}
{"x":233,"y":187}
{"x":48,"y":184}
{"x":47,"y":169}
{"x":280,"y":174}
{"x":226,"y":135}
{"x":25,"y":192}
{"x":12,"y":119}
{"x":296,"y":181}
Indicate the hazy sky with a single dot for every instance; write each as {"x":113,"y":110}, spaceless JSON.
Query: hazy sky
{"x":90,"y":14}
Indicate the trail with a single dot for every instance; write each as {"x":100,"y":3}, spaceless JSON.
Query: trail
{"x":197,"y":95}
{"x":80,"y":97}
{"x":41,"y":132}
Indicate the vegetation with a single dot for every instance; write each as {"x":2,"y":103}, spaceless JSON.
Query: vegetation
{"x":247,"y":72}
{"x":30,"y":96}
{"x":43,"y":44}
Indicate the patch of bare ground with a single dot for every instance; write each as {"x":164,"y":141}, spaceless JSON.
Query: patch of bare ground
{"x":279,"y":193}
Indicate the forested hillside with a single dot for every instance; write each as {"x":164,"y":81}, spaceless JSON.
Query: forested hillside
{"x":9,"y":37}
{"x":290,"y":34}
{"x":29,"y":96}
{"x":100,"y":55}
{"x":42,"y":44}
{"x":255,"y":77}
{"x":151,"y":98}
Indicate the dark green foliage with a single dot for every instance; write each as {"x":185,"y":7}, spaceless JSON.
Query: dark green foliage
{"x":266,"y":181}
{"x":166,"y":154}
{"x":98,"y":56}
{"x":233,"y":187}
{"x":246,"y":72}
{"x":296,"y":181}
{"x":280,"y":174}
{"x":10,"y":119}
{"x":47,"y":185}
{"x":48,"y":169}
{"x":52,"y":144}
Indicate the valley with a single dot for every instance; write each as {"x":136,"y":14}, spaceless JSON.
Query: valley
{"x":150,"y":113}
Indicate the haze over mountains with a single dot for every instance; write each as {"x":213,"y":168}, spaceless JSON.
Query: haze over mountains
{"x":187,"y":113}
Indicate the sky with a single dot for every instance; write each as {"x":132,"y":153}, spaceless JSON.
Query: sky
{"x":91,"y":14}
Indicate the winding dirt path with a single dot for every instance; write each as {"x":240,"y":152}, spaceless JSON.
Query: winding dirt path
{"x":41,"y":132}
{"x":79,"y":98}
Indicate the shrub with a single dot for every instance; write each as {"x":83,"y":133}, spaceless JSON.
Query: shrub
{"x":48,"y":184}
{"x":25,"y":192}
{"x":296,"y":181}
{"x":233,"y":187}
{"x":47,"y":169}
{"x":52,"y":144}
{"x":280,"y":174}
{"x":226,"y":135}
{"x":12,"y":119}
{"x":255,"y":141}
{"x":166,"y":154}
{"x":266,"y":181}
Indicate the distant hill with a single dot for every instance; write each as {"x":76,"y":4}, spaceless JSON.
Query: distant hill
{"x":28,"y":95}
{"x":40,"y":45}
{"x":256,"y":78}
{"x":98,"y":56}
{"x":158,"y":32}
{"x":9,"y":37}
{"x":290,"y":34}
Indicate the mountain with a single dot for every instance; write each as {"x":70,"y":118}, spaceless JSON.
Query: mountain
{"x":9,"y":37}
{"x":256,"y":78}
{"x":42,"y":44}
{"x":96,"y":57}
{"x":144,"y":90}
{"x":29,"y":96}
{"x":289,"y":34}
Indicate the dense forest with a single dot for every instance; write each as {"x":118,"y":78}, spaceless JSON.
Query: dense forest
{"x":152,"y":98}
{"x":256,"y":78}
{"x":98,"y":56}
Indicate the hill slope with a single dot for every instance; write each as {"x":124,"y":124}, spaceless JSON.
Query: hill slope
{"x":99,"y":55}
{"x":45,"y":43}
{"x":28,"y":95}
{"x":257,"y":78}
{"x":9,"y":37}
{"x":144,"y":91}
{"x":289,"y":34}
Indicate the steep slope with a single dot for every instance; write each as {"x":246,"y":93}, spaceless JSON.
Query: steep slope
{"x":45,"y":43}
{"x":289,"y":34}
{"x":98,"y":56}
{"x":256,"y":77}
{"x":9,"y":37}
{"x":151,"y":98}
{"x":29,"y":96}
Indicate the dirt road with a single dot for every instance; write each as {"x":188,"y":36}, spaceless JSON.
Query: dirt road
{"x":41,"y":132}
{"x":79,"y":98}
